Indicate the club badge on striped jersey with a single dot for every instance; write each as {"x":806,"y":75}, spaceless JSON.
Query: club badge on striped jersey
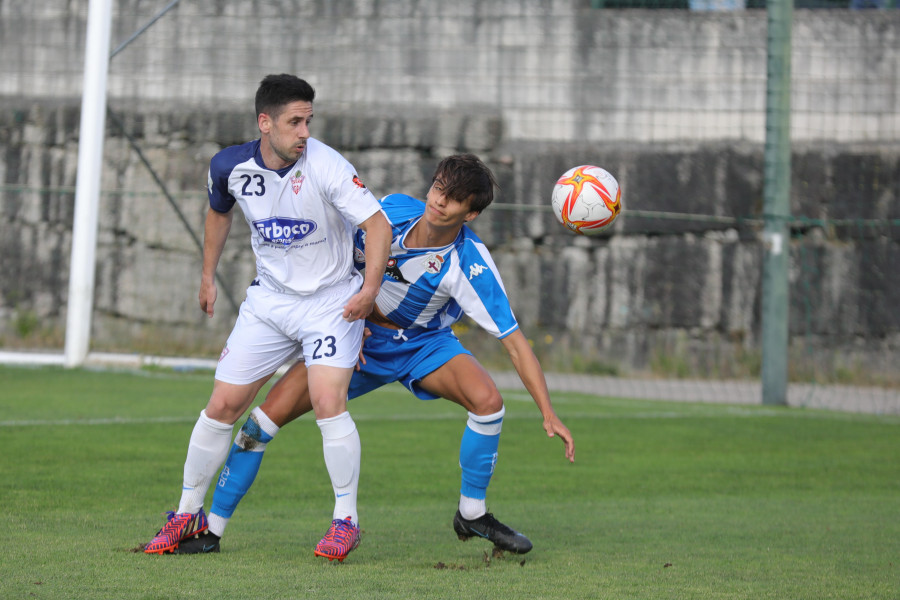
{"x":433,"y":263}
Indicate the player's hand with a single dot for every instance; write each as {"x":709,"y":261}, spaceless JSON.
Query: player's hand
{"x":359,"y":306}
{"x":554,"y":427}
{"x":208,"y":293}
{"x":362,"y":358}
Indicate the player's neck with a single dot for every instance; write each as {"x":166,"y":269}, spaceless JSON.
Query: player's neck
{"x":271,"y":159}
{"x":424,"y":235}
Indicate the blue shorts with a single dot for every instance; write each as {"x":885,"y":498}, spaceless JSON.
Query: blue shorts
{"x":404,"y":355}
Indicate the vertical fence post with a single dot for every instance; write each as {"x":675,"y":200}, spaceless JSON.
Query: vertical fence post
{"x":777,"y":190}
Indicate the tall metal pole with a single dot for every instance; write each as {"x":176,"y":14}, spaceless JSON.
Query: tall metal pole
{"x":777,"y":211}
{"x":87,"y":186}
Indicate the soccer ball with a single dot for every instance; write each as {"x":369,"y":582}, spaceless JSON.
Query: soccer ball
{"x":586,"y":199}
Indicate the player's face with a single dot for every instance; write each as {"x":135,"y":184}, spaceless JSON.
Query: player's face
{"x":444,"y":212}
{"x":284,"y":136}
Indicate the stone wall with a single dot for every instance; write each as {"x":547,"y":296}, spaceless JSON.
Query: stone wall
{"x":555,"y":69}
{"x":655,"y":286}
{"x":428,"y":79}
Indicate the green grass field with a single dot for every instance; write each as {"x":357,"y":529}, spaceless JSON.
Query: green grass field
{"x":665,"y":500}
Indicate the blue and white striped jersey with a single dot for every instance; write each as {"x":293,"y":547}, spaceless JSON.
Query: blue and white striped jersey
{"x":433,"y":287}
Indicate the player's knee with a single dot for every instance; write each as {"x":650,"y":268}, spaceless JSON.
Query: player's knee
{"x":220,"y":410}
{"x":329,"y":404}
{"x":228,"y":402}
{"x":488,"y":403}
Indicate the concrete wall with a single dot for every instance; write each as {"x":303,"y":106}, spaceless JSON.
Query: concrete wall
{"x":655,"y":287}
{"x":555,"y":69}
{"x":403,"y":83}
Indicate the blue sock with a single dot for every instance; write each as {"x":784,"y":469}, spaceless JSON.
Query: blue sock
{"x":242,"y":465}
{"x":478,"y":453}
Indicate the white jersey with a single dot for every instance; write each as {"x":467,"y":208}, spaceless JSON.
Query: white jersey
{"x":432,"y":288}
{"x":302,"y":218}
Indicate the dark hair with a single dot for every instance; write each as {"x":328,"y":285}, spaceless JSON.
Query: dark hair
{"x":275,"y":91}
{"x":464,"y":177}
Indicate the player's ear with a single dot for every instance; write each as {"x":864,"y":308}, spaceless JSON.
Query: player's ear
{"x":264,"y":122}
{"x":470,"y":216}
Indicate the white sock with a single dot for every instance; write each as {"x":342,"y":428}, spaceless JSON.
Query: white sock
{"x":341,"y":447}
{"x":471,"y":508}
{"x":265,"y":423}
{"x":217,"y":524}
{"x":207,"y":450}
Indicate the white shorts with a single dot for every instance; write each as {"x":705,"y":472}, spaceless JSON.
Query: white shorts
{"x":273,"y":328}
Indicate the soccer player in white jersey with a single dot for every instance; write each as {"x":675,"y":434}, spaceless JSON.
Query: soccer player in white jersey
{"x":438,"y":270}
{"x":304,"y":203}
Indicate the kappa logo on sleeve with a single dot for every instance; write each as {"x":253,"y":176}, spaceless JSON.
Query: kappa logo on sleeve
{"x":284,"y":231}
{"x":476,"y":270}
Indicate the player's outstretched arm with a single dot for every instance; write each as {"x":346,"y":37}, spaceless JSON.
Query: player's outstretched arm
{"x":378,"y":247}
{"x":532,"y":375}
{"x":215,"y":233}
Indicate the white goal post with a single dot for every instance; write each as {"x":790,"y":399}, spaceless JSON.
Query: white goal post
{"x":87,"y":187}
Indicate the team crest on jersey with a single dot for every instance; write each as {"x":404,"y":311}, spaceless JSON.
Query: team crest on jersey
{"x":284,"y":231}
{"x":433,"y":263}
{"x":358,"y":182}
{"x":297,"y":181}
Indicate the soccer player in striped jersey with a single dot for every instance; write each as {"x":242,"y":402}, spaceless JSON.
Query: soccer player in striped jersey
{"x":303,"y":202}
{"x":438,"y":270}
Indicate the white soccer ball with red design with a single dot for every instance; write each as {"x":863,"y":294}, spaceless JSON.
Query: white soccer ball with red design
{"x":586,"y":199}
